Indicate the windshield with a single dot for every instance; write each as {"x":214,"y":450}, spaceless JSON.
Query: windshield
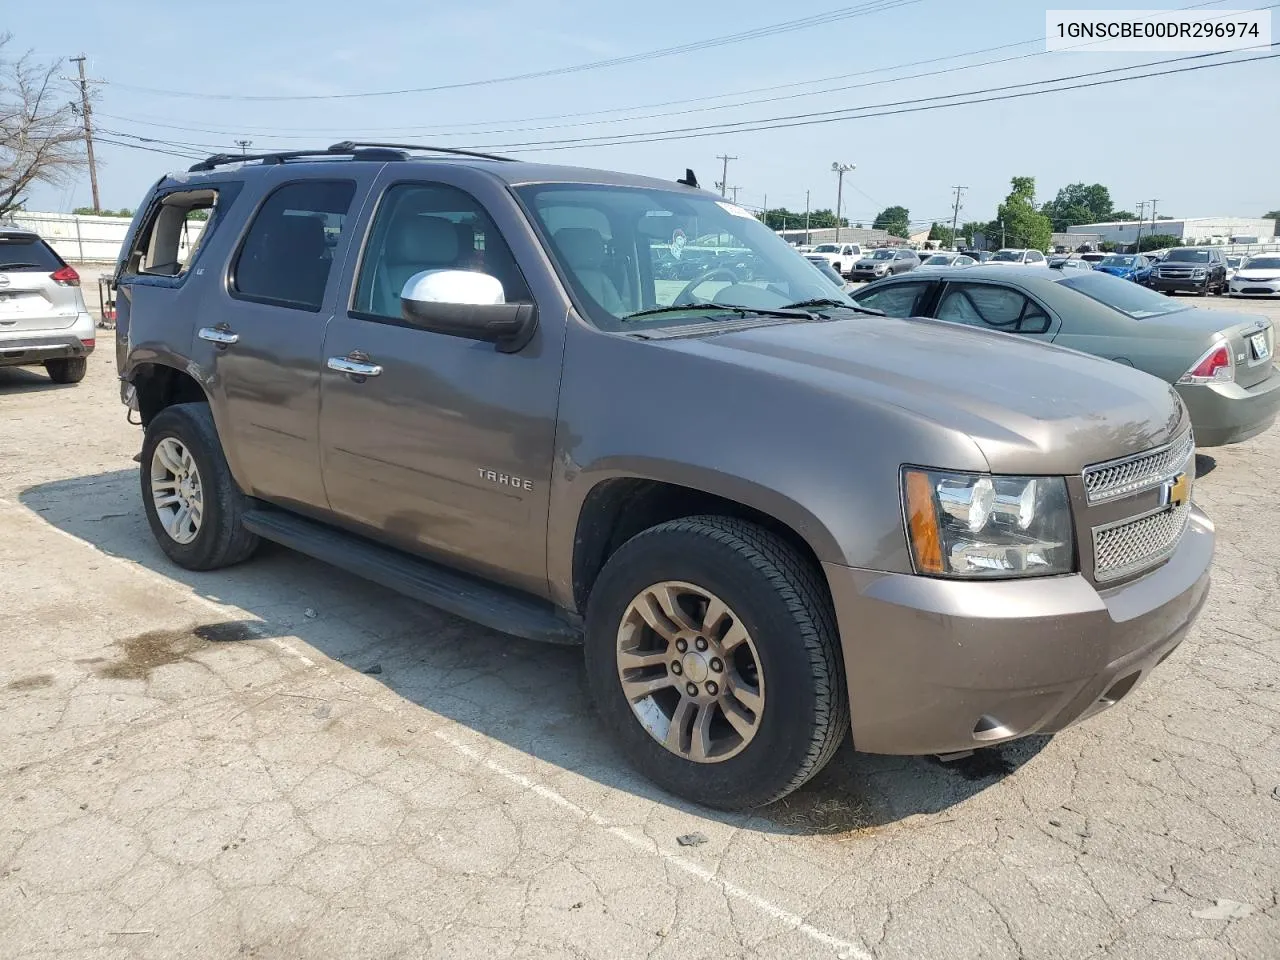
{"x":1008,"y":256}
{"x":1263,"y":263}
{"x":938,"y":261}
{"x":883,"y":255}
{"x":1129,"y":298}
{"x":826,"y":248}
{"x":1117,"y":262}
{"x":625,"y":251}
{"x":1233,"y":261}
{"x":1188,"y":256}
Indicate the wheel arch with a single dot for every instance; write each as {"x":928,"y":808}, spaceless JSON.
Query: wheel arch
{"x":159,"y":385}
{"x":618,"y":508}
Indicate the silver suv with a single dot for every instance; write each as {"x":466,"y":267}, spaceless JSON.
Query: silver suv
{"x":771,"y":516}
{"x":43,"y":318}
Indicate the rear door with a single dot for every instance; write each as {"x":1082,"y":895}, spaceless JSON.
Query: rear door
{"x":258,"y":340}
{"x":31,"y":300}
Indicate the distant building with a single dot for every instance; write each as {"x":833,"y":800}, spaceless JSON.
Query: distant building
{"x":1074,"y":240}
{"x":828,"y":235}
{"x":1189,"y":230}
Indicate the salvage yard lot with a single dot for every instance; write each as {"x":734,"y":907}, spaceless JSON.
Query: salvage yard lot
{"x":280,"y":760}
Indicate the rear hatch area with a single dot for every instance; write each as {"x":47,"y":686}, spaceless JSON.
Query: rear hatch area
{"x":31,"y":300}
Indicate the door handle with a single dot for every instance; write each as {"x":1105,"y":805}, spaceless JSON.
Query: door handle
{"x":219,"y":335}
{"x":354,"y":368}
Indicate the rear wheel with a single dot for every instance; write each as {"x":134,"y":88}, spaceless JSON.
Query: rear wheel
{"x":66,"y":369}
{"x":713,"y":657}
{"x":193,"y":505}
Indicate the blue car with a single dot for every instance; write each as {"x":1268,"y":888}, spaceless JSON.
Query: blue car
{"x":1133,"y":267}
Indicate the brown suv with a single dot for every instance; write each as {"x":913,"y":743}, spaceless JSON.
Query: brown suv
{"x":770,"y":515}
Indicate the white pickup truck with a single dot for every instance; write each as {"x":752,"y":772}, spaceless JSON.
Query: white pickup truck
{"x":841,"y":256}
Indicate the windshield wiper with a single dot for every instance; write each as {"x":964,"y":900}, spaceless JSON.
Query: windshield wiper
{"x":829,"y":302}
{"x":744,"y":312}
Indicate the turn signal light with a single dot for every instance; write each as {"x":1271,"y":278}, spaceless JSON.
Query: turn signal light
{"x":67,"y":276}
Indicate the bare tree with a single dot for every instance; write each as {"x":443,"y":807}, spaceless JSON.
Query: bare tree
{"x":41,"y":137}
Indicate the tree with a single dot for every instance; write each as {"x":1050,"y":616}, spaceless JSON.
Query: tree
{"x":943,"y":234}
{"x":1123,"y":215}
{"x":971,"y":227}
{"x":89,"y":211}
{"x":1079,"y":203}
{"x":1158,"y":241}
{"x":1018,"y":222}
{"x":40,"y":134}
{"x":894,"y":219}
{"x":1272,"y":215}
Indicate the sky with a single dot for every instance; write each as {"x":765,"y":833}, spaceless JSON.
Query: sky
{"x":1194,"y":140}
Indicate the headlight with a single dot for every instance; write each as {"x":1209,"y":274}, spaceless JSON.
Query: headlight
{"x":1198,"y":274}
{"x":982,"y":526}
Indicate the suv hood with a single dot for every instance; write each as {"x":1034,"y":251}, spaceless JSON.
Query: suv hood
{"x":871,"y":262}
{"x":1029,"y":407}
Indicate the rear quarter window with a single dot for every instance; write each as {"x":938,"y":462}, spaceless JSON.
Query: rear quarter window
{"x":27,"y":253}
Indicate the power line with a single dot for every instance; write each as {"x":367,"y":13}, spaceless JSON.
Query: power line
{"x":461,"y":128}
{"x":856,"y":113}
{"x":787,"y":26}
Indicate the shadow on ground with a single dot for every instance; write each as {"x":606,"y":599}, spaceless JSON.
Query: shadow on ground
{"x":1205,"y":464}
{"x":527,"y":695}
{"x":17,"y":380}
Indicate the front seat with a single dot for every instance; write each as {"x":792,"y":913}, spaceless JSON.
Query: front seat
{"x":414,"y":243}
{"x":583,"y":251}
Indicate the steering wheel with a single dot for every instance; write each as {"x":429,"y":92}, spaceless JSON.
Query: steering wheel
{"x":685,"y":297}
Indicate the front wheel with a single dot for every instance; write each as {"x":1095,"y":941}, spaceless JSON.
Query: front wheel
{"x":193,"y":505}
{"x":713,"y":657}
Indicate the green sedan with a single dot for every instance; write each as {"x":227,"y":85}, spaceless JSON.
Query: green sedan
{"x":1220,"y":362}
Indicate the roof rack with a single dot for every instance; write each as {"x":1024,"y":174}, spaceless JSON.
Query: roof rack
{"x":357,"y":150}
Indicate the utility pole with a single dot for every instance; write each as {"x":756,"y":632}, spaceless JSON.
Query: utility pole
{"x":955,"y":213}
{"x":840,"y":169}
{"x":86,"y":112}
{"x":1153,"y":216}
{"x":735,"y":193}
{"x":724,"y":173}
{"x":1003,"y":236}
{"x":806,"y":218}
{"x":766,"y":209}
{"x":1142,"y":216}
{"x":244,"y":146}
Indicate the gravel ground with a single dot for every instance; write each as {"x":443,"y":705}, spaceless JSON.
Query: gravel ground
{"x":279,"y":760}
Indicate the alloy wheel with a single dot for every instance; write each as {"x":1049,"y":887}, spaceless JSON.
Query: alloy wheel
{"x":176,"y":492}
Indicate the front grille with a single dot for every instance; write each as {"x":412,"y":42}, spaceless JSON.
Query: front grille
{"x":1174,"y":273}
{"x":1133,"y":545}
{"x":1120,"y":478}
{"x":1257,"y":290}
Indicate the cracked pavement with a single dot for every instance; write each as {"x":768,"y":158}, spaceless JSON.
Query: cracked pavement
{"x":280,"y":760}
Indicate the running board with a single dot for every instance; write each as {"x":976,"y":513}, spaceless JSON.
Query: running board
{"x":466,"y":596}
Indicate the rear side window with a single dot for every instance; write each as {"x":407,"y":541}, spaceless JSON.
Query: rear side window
{"x":287,"y":254}
{"x":20,"y":252}
{"x":173,"y":233}
{"x":984,"y":305}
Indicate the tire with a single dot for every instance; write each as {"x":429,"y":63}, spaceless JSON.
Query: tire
{"x":220,"y":538}
{"x":66,"y":369}
{"x":781,"y":601}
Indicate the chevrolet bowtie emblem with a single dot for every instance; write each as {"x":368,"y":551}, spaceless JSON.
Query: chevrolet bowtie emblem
{"x":1177,"y":491}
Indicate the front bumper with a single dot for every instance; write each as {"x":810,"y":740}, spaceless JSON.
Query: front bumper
{"x":1223,"y":413}
{"x":942,"y":666}
{"x":1165,"y":285}
{"x":36,"y":346}
{"x":1254,"y":288}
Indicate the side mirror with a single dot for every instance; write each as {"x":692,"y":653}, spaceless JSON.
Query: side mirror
{"x":463,"y":303}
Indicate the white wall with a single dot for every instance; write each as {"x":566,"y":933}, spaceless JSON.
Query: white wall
{"x":88,"y":239}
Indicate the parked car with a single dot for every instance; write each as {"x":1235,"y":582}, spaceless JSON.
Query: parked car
{"x":1069,"y":264}
{"x":43,"y":317}
{"x":1010,"y":257}
{"x":884,"y":262}
{"x":1127,"y":266}
{"x":1220,"y":363}
{"x":981,"y":256}
{"x":1233,"y":264}
{"x":1093,"y":258}
{"x":841,"y":256}
{"x":940,"y":260}
{"x":1258,"y":277}
{"x":459,"y":402}
{"x":1200,"y":270}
